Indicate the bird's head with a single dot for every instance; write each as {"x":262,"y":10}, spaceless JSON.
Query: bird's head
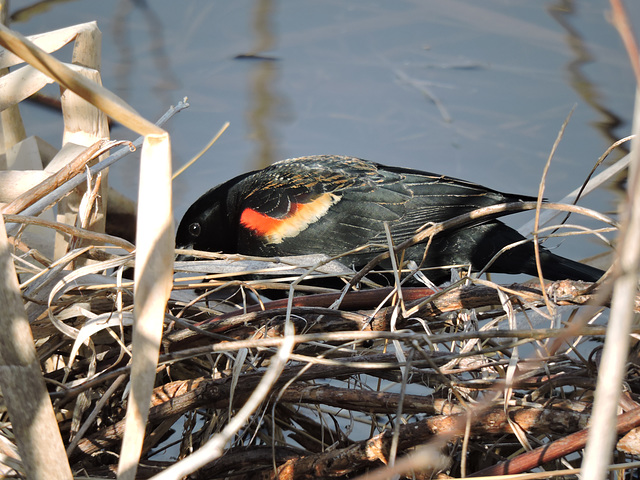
{"x":207,"y":224}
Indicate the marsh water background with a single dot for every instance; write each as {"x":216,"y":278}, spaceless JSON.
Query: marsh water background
{"x":476,"y":90}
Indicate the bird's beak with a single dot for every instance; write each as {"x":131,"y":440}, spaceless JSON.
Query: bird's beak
{"x":184,"y":258}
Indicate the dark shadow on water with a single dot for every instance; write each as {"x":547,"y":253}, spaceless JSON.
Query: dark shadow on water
{"x":264,"y":100}
{"x":562,"y":12}
{"x":165,"y":80}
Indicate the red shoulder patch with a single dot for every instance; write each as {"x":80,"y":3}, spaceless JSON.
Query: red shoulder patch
{"x":299,"y":217}
{"x":259,"y":222}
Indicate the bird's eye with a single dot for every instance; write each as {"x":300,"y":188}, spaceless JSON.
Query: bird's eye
{"x":194,"y":229}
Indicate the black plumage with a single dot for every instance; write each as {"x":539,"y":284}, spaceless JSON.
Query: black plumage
{"x":333,"y":204}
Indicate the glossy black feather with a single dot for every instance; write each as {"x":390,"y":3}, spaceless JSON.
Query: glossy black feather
{"x":365,"y":196}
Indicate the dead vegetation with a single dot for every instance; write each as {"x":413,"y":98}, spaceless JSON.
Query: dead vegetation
{"x":476,"y":379}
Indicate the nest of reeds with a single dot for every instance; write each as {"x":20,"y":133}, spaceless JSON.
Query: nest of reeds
{"x":474,"y":379}
{"x":478,"y":373}
{"x":453,"y":381}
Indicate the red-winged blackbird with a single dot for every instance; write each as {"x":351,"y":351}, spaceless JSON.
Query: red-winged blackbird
{"x":333,"y":204}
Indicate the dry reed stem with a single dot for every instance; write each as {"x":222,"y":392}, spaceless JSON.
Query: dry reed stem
{"x":175,"y":398}
{"x":154,"y":259}
{"x":626,"y":271}
{"x":153,"y":282}
{"x":95,"y":94}
{"x":23,"y":389}
{"x":71,"y":231}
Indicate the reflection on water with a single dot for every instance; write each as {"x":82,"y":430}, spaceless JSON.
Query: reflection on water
{"x":264,"y":101}
{"x":37,"y":8}
{"x":165,"y":81}
{"x":563,"y":12}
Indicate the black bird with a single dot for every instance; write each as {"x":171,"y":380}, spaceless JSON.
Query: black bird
{"x":332,"y":204}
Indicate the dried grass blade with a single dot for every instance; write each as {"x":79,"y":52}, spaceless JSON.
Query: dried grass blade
{"x":67,"y":172}
{"x":593,"y":183}
{"x":626,"y":271}
{"x":153,"y":283}
{"x":95,"y":94}
{"x":48,"y":41}
{"x":69,"y":230}
{"x":23,"y":388}
{"x":202,"y":152}
{"x":536,"y":222}
{"x":21,"y":84}
{"x":214,"y":446}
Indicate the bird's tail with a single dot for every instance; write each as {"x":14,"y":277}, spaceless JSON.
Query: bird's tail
{"x":485,"y":240}
{"x":555,"y":267}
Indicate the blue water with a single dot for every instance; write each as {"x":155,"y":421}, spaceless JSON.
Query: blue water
{"x":473,"y":90}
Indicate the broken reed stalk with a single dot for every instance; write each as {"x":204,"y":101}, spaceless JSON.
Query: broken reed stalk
{"x":154,"y":230}
{"x":67,"y":172}
{"x":624,"y":283}
{"x":23,"y":388}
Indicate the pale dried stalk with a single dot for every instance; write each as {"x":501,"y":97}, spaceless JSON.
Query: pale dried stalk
{"x":48,"y":42}
{"x":95,"y":94}
{"x":153,"y":283}
{"x":67,"y":172}
{"x":154,"y":258}
{"x":625,"y":283}
{"x":23,"y":388}
{"x":614,"y":357}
